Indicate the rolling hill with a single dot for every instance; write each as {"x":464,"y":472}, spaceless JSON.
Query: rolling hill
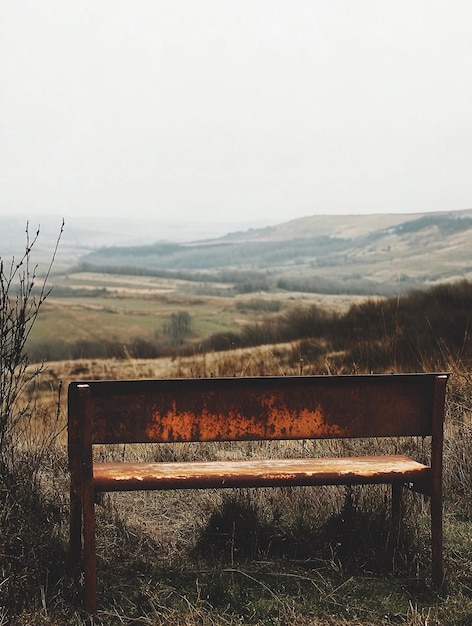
{"x":365,"y":254}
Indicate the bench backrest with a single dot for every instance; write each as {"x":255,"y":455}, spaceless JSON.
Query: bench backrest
{"x":288,"y":407}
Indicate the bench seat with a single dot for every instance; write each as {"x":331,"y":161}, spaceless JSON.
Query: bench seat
{"x":258,"y":473}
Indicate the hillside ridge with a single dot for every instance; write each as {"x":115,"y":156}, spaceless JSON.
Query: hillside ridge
{"x":378,"y":254}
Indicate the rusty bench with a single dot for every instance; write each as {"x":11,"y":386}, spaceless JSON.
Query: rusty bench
{"x":238,"y":409}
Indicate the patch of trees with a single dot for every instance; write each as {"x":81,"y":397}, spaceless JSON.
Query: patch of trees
{"x":258,"y":304}
{"x":446,"y":224}
{"x":243,"y":281}
{"x":209,"y":256}
{"x":178,"y":328}
{"x":252,"y":281}
{"x":355,"y":285}
{"x":422,"y":330}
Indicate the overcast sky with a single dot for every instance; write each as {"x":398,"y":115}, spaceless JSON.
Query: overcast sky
{"x":235,"y":110}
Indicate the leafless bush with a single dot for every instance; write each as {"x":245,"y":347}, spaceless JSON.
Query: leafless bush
{"x":20,"y":303}
{"x":29,"y":548}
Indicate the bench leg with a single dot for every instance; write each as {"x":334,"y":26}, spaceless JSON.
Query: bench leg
{"x":396,"y":519}
{"x":437,"y":539}
{"x":396,"y":505}
{"x":75,"y":525}
{"x":90,"y":558}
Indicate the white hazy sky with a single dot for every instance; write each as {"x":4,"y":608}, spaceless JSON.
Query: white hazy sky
{"x":235,"y":110}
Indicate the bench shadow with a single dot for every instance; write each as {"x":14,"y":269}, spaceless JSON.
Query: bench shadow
{"x":247,"y":556}
{"x":350,"y":540}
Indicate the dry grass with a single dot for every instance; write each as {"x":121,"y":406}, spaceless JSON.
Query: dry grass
{"x":267,"y":556}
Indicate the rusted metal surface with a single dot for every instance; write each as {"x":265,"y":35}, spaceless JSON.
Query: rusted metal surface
{"x":258,"y":473}
{"x":232,"y":409}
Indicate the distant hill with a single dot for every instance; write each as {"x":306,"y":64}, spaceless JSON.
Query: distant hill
{"x":365,"y":254}
{"x":84,"y":234}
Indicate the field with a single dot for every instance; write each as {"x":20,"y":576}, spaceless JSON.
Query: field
{"x":300,"y":556}
{"x":90,"y":314}
{"x":276,"y":556}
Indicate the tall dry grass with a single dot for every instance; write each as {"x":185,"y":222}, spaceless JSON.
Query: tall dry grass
{"x":307,"y":556}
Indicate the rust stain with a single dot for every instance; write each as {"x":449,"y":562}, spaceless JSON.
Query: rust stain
{"x":315,"y":420}
{"x":270,"y":421}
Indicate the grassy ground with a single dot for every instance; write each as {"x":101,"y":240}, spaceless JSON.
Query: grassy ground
{"x":270,"y":556}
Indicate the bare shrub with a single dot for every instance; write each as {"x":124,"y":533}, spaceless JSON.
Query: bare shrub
{"x":20,"y":302}
{"x":29,"y":549}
